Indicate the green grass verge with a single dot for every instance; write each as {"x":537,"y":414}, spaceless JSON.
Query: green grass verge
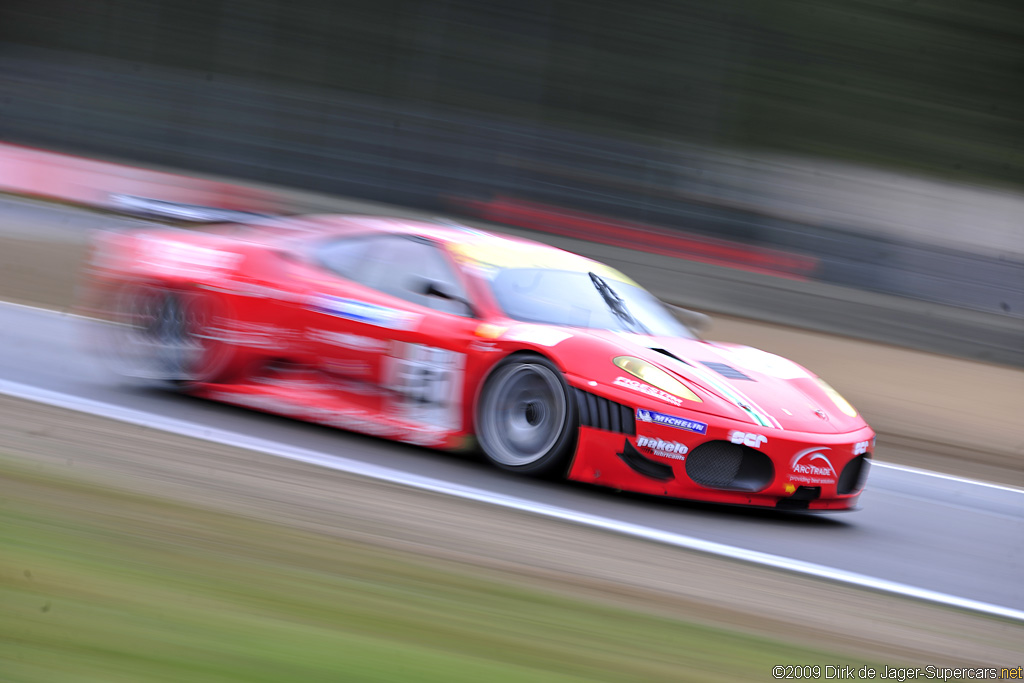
{"x":102,"y":585}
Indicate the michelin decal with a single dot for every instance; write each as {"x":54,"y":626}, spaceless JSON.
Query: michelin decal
{"x":652,"y":417}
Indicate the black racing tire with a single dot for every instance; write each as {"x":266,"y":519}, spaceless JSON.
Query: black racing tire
{"x":526,"y":418}
{"x":158,"y":335}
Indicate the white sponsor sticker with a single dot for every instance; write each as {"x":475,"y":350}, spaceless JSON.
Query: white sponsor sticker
{"x":174,"y":257}
{"x":538,"y":334}
{"x":254,"y":335}
{"x":645,"y":388}
{"x":812,"y":466}
{"x":664,"y":449}
{"x":427,"y":384}
{"x":347,"y":340}
{"x":352,"y":420}
{"x":747,"y":439}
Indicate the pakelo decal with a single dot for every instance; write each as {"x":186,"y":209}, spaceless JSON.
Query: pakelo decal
{"x":663,"y":449}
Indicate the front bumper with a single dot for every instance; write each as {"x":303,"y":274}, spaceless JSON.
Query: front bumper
{"x":786,"y":470}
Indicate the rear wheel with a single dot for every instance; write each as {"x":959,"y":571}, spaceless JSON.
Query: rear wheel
{"x":526,"y":421}
{"x":161,"y":334}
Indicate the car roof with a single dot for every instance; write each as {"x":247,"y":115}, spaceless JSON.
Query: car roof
{"x":441,"y":230}
{"x":468,"y":244}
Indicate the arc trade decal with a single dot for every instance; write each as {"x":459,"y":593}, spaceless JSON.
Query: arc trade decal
{"x":811,"y":466}
{"x":657,"y":418}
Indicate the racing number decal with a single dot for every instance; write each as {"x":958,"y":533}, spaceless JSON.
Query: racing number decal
{"x":426,"y":383}
{"x":423,"y":383}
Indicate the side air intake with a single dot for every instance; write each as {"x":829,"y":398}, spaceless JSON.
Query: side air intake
{"x":854,"y":475}
{"x":600,"y":413}
{"x":729,"y":466}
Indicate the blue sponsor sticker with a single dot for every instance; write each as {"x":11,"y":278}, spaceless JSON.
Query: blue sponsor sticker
{"x":361,"y":311}
{"x":653,"y":417}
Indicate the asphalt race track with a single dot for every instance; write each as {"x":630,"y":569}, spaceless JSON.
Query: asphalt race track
{"x":952,"y":536}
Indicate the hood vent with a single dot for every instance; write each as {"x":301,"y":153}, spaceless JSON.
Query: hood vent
{"x":726,"y":370}
{"x":666,"y":352}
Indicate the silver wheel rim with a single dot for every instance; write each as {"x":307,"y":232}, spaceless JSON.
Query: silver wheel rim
{"x":155,"y":335}
{"x":523,"y":414}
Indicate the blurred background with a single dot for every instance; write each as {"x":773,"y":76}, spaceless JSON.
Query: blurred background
{"x":874,"y":145}
{"x":830,"y":167}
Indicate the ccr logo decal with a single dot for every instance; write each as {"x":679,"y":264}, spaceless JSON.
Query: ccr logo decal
{"x":812,"y":466}
{"x":747,"y":439}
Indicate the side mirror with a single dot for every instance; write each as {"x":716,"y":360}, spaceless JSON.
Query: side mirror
{"x":442,"y":291}
{"x":438,"y":289}
{"x":698,"y":323}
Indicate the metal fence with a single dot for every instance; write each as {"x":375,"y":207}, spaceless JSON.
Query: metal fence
{"x":428,"y":157}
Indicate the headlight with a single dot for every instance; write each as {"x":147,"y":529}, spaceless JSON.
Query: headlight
{"x":656,"y":377}
{"x":840,"y":402}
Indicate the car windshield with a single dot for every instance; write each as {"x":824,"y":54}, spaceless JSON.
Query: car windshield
{"x":574,"y":299}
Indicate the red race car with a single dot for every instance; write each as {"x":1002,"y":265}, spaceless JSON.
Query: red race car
{"x":454,"y":338}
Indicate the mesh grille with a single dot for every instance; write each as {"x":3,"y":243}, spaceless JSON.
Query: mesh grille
{"x":601,"y":413}
{"x":724,"y":465}
{"x":714,"y":464}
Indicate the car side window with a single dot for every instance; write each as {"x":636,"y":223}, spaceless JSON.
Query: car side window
{"x":403,"y":266}
{"x":344,"y":256}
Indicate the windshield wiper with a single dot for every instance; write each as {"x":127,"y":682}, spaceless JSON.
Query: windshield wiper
{"x":616,"y":304}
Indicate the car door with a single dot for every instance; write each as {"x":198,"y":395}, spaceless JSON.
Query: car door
{"x":341,"y":318}
{"x":404,"y":323}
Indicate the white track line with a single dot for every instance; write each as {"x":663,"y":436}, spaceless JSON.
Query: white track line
{"x":874,"y":463}
{"x":948,"y":477}
{"x":228,"y":438}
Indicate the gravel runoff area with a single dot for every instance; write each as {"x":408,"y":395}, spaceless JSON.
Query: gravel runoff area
{"x":508,"y":547}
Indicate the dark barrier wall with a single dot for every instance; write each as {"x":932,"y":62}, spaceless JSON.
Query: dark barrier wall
{"x":430,"y":104}
{"x":936,"y":85}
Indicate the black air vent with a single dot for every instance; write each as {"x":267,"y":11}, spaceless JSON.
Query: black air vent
{"x":601,"y":413}
{"x":728,"y":466}
{"x":854,"y":475}
{"x":726,"y":370}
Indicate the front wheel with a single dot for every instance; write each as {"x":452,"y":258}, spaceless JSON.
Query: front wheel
{"x":526,"y":421}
